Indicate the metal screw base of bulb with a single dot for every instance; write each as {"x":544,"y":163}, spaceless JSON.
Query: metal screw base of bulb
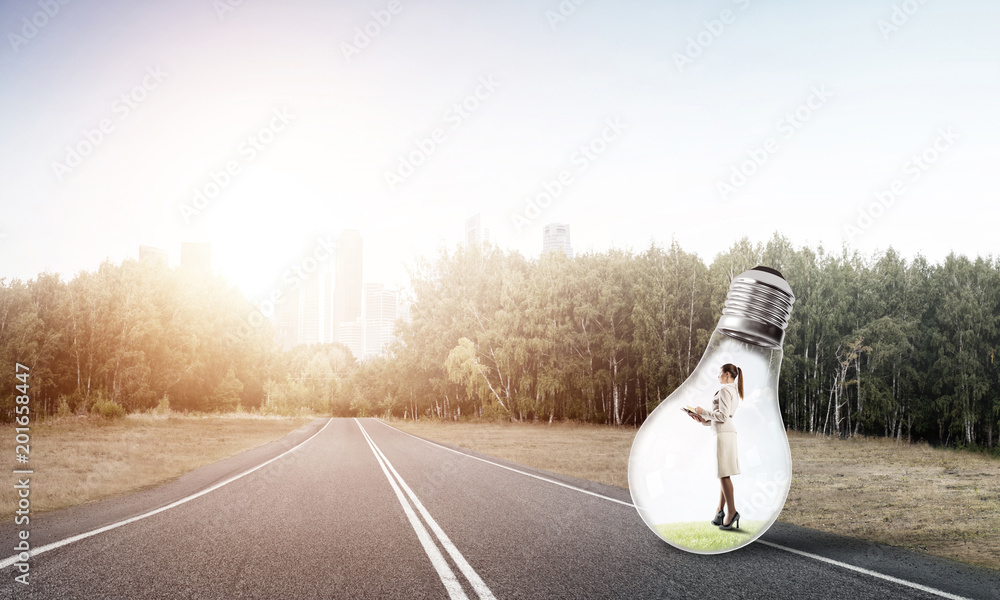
{"x":757,"y":308}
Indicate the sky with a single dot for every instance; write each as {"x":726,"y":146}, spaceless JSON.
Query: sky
{"x":266,"y":127}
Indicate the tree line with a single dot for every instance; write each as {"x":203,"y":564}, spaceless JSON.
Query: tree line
{"x":139,"y":335}
{"x":876,"y":345}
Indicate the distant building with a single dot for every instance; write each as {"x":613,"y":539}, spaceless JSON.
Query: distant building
{"x":380,"y":317}
{"x":286,"y":319}
{"x":347,"y":286}
{"x":315,"y":307}
{"x":196,"y":256}
{"x":476,"y":233}
{"x":304,"y":313}
{"x":555,"y":238}
{"x":352,"y":335}
{"x":151,"y":254}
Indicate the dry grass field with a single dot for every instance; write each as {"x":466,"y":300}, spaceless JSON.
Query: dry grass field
{"x":79,"y":460}
{"x":943,"y":502}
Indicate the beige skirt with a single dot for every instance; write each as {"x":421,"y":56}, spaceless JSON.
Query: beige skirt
{"x":729,"y":462}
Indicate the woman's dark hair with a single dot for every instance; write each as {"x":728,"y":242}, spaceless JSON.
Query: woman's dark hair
{"x":737,"y":374}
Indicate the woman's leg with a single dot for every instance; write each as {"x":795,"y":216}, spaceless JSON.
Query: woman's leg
{"x":727,"y":491}
{"x":722,"y":497}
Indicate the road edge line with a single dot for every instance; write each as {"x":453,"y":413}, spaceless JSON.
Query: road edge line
{"x":75,"y":538}
{"x":556,"y":482}
{"x":865,"y":571}
{"x":831,"y":561}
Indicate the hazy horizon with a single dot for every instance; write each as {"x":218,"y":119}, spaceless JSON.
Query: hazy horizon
{"x":640,"y":121}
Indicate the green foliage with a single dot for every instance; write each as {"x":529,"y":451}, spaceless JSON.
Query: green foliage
{"x":494,"y":411}
{"x":63,"y":410}
{"x":311,"y":379}
{"x":598,"y":337}
{"x":133,"y":332}
{"x":876,"y":345}
{"x":226,"y":395}
{"x":285,"y":400}
{"x":163,"y":407}
{"x":108,"y":409}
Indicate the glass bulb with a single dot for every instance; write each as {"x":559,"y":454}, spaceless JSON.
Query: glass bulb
{"x":672,"y":469}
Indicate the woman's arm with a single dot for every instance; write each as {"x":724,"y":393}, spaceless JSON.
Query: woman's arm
{"x":725,"y":406}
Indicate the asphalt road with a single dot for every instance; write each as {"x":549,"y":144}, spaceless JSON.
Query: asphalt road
{"x":352,"y":508}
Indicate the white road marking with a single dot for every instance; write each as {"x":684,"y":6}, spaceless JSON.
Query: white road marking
{"x":831,"y":561}
{"x":448,"y":578}
{"x":565,"y":485}
{"x":36,"y":551}
{"x":911,"y":584}
{"x":480,"y":587}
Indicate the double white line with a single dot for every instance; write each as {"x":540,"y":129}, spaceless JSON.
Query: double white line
{"x":448,"y":578}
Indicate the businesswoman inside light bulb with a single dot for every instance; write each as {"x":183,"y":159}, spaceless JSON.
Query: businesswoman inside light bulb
{"x":720,"y":418}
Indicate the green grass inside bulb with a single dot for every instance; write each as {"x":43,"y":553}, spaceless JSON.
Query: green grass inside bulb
{"x":702,"y":536}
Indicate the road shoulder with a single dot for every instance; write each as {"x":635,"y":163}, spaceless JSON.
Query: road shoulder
{"x":52,"y":526}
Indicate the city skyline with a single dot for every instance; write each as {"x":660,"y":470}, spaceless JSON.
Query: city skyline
{"x":308,"y":310}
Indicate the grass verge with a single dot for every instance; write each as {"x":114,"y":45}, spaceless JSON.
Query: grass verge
{"x":84,"y":459}
{"x":702,"y":536}
{"x":942,"y":502}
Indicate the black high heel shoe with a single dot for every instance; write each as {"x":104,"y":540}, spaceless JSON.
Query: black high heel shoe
{"x":719,"y":517}
{"x":735,"y":519}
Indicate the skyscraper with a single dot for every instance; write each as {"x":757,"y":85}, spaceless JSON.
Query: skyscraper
{"x":476,"y":234}
{"x":304,"y":313}
{"x":314,"y":308}
{"x":151,"y":254}
{"x":347,"y":290}
{"x":380,"y":317}
{"x":352,"y":335}
{"x":555,"y":238}
{"x":286,"y":319}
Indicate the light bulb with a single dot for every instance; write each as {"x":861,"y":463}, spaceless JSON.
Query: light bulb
{"x":673,"y":471}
